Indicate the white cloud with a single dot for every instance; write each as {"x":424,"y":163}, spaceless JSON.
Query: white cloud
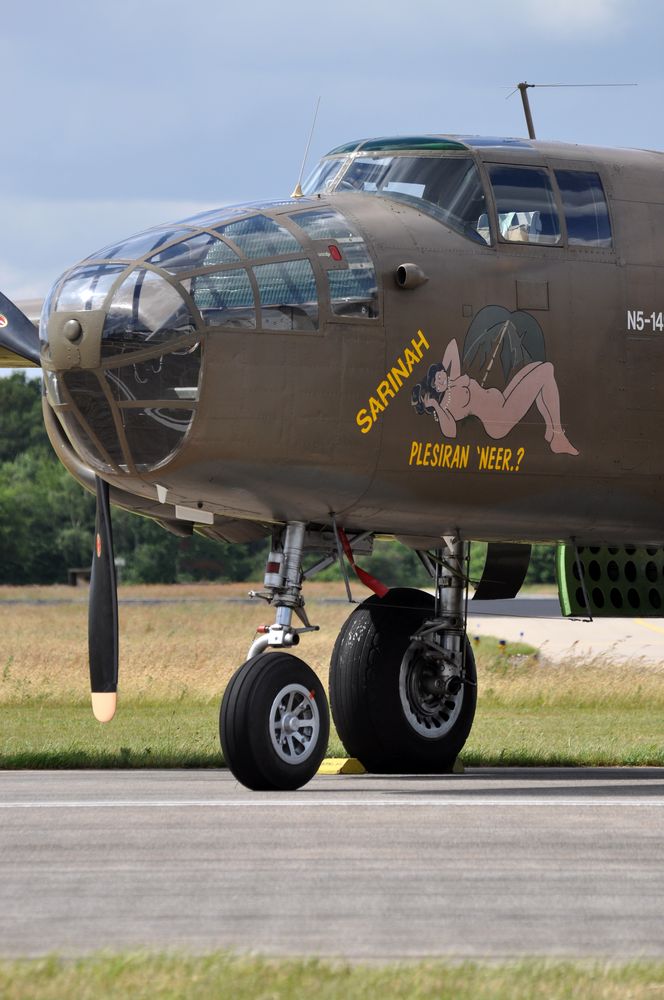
{"x":39,"y":238}
{"x":592,"y":19}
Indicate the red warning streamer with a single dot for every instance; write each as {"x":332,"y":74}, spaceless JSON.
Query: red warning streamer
{"x":369,"y":581}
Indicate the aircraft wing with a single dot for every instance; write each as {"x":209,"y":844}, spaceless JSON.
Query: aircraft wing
{"x":19,"y":333}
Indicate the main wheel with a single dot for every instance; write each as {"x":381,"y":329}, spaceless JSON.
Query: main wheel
{"x":274,"y":722}
{"x":386,"y":705}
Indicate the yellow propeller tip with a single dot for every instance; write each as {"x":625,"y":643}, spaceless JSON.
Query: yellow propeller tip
{"x":104,"y":704}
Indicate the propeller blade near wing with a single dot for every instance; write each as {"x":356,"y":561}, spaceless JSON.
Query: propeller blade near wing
{"x":103,"y":613}
{"x":19,"y":339}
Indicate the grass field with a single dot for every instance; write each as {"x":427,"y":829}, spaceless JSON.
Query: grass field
{"x":175,"y":661}
{"x":158,"y":977}
{"x":177,"y":657}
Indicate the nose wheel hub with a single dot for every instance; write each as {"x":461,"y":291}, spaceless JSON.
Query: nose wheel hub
{"x":294,"y":723}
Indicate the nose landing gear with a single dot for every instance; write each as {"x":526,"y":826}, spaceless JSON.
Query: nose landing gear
{"x":274,"y":723}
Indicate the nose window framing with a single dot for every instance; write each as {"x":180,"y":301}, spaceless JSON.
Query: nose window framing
{"x":161,"y":290}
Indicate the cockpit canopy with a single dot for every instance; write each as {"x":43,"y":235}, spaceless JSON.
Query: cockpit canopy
{"x":529,"y":201}
{"x":436,"y":175}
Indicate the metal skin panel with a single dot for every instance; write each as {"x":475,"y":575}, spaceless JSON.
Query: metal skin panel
{"x":270,"y":431}
{"x":278,"y":434}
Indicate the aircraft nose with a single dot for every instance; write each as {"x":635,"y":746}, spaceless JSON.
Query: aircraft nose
{"x":122,"y":361}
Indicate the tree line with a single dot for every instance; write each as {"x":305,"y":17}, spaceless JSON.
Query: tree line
{"x":47,"y":522}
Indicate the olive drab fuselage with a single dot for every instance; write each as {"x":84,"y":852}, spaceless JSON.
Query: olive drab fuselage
{"x":510,"y":390}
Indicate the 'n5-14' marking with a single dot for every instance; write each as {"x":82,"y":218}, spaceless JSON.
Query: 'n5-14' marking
{"x":640,"y":321}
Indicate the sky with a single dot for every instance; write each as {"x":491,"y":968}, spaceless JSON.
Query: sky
{"x":120,"y":115}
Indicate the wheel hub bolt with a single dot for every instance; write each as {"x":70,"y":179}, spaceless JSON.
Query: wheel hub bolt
{"x":290,"y":723}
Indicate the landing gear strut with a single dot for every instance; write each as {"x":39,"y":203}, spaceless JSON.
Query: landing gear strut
{"x":403,"y":683}
{"x":402,"y":678}
{"x":274,"y":722}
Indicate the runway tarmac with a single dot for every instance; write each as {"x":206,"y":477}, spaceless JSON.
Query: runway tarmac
{"x":493,"y":863}
{"x":537,"y":620}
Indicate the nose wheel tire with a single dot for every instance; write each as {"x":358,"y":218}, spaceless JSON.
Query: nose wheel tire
{"x":387,"y":702}
{"x":274,"y":722}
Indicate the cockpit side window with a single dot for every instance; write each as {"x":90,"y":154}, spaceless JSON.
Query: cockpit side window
{"x":586,"y":211}
{"x":525,"y":204}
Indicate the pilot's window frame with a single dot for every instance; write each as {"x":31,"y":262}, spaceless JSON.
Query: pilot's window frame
{"x":502,"y":240}
{"x":583,"y":167}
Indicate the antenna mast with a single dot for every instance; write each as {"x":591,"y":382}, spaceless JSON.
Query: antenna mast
{"x":523,"y":90}
{"x":297,"y":193}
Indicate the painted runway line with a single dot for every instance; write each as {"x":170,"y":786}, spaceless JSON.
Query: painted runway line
{"x":438,"y":802}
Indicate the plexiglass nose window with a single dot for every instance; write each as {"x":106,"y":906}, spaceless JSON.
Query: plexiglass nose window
{"x":154,"y":433}
{"x":170,"y":377}
{"x":200,"y":251}
{"x":145,"y":311}
{"x":86,"y":288}
{"x":224,"y":298}
{"x":288,"y":296}
{"x":259,"y":236}
{"x":135,"y":410}
{"x":93,"y":407}
{"x":141,"y":246}
{"x":352,"y":280}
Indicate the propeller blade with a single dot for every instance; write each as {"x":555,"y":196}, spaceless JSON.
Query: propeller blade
{"x":103,"y":613}
{"x":18,"y":335}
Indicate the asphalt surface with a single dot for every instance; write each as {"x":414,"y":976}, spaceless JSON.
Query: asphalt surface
{"x":493,"y":863}
{"x":537,"y":620}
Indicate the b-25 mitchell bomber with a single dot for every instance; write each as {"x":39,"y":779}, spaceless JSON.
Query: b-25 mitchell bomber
{"x":444,"y":338}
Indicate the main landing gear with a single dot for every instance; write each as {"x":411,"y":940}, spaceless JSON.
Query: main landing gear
{"x":402,"y":679}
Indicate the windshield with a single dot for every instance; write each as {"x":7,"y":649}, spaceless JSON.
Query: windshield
{"x":323,"y":177}
{"x":447,"y":187}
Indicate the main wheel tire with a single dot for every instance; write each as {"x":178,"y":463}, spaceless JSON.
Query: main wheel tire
{"x":371,"y":691}
{"x":274,"y":722}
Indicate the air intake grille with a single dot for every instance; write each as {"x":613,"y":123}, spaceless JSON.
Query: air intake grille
{"x":620,"y":582}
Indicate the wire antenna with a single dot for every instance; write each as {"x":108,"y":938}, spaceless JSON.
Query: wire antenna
{"x":297,"y":193}
{"x":523,"y":90}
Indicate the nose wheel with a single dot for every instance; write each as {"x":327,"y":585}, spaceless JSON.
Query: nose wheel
{"x":274,"y":723}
